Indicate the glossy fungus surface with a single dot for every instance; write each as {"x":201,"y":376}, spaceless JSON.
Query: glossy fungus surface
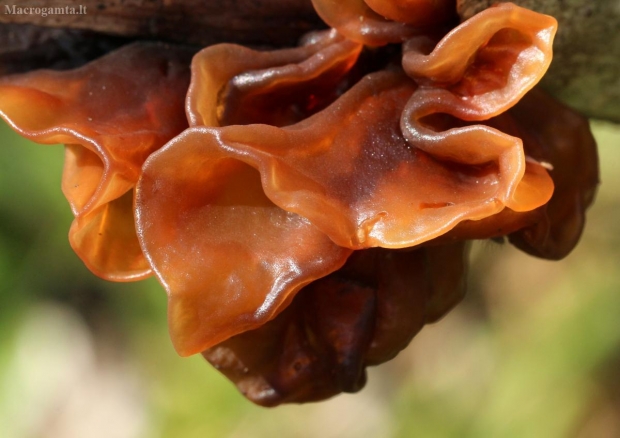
{"x":415,"y":12}
{"x":233,"y":85}
{"x":111,"y":114}
{"x":307,"y":209}
{"x":229,"y":258}
{"x":287,"y":171}
{"x":357,"y":21}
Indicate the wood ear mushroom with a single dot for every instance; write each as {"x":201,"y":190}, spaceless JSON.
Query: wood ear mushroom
{"x":307,"y":209}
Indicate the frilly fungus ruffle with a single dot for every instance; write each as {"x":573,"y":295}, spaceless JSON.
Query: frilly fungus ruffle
{"x":314,"y":215}
{"x":111,"y":115}
{"x":377,"y":22}
{"x":233,"y":85}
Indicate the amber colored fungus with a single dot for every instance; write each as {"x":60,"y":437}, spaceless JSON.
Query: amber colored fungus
{"x":361,"y":315}
{"x":229,"y":258}
{"x":312,"y":218}
{"x":558,"y":139}
{"x":478,"y":71}
{"x":358,"y":22}
{"x":111,"y":114}
{"x":415,"y":12}
{"x":233,"y":85}
{"x":492,"y":59}
{"x":236,"y":219}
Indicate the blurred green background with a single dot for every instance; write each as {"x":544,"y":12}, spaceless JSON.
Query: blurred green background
{"x":533,"y":350}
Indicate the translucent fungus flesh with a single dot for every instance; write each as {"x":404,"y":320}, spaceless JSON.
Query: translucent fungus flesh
{"x":357,"y":21}
{"x":233,"y":85}
{"x":262,"y":220}
{"x":415,"y":12}
{"x":489,"y":61}
{"x":350,"y":172}
{"x":229,"y":258}
{"x":111,"y":114}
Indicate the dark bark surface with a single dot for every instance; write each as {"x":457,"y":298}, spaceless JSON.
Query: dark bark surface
{"x":25,"y":47}
{"x":272,"y":22}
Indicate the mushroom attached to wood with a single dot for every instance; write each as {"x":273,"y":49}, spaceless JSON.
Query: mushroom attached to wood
{"x":313,"y":215}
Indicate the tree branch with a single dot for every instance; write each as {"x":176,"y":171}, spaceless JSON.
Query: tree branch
{"x":274,"y":22}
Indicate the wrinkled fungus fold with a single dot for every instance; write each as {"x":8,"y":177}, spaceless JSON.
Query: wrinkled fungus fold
{"x":489,"y":61}
{"x":233,"y":85}
{"x":357,"y":21}
{"x":556,"y":140}
{"x":111,"y":114}
{"x":229,"y":258}
{"x":236,"y":217}
{"x":307,"y":209}
{"x":536,"y":182}
{"x":350,"y":172}
{"x":361,"y":315}
{"x":415,"y":12}
{"x":477,"y":71}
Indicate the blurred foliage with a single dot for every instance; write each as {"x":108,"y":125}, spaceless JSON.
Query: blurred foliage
{"x":533,"y":351}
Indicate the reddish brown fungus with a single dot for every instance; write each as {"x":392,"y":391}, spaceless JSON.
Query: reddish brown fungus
{"x":361,"y":315}
{"x":415,"y":12}
{"x":233,"y":85}
{"x":235,"y":220}
{"x":312,"y":218}
{"x":229,"y":258}
{"x":111,"y":114}
{"x":357,"y":21}
{"x":547,"y":149}
{"x":492,"y":59}
{"x":561,"y":138}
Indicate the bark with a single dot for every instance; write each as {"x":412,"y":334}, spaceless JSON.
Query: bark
{"x":25,"y":47}
{"x":277,"y":22}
